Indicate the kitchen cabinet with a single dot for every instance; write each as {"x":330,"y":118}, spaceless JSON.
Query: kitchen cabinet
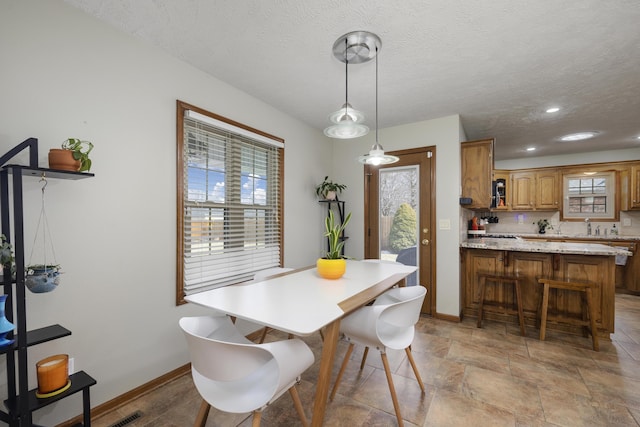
{"x":529,"y":266}
{"x":630,"y":188}
{"x":595,"y":269}
{"x":535,"y":190}
{"x":631,"y":270}
{"x":627,"y":276}
{"x":481,"y":261}
{"x":476,"y":172}
{"x":547,"y":190}
{"x":502,"y":190}
{"x":523,"y":187}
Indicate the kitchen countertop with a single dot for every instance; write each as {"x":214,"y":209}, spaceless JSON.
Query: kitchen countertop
{"x":552,"y":235}
{"x":519,"y":245}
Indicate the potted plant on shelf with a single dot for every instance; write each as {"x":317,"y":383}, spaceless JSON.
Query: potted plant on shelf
{"x":6,"y":252}
{"x":329,"y":190}
{"x":333,"y":264}
{"x":543,"y":224}
{"x":73,"y":156}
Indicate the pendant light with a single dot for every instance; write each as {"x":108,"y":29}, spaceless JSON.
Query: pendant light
{"x":376,"y":155}
{"x":347,"y":120}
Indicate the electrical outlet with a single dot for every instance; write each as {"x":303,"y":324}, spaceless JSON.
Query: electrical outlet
{"x":520,"y":219}
{"x":71,"y":366}
{"x":626,"y":222}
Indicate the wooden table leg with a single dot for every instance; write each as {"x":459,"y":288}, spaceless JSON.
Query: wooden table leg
{"x":330,"y":343}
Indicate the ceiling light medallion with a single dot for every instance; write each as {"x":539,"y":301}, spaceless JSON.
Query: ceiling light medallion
{"x":579,"y":136}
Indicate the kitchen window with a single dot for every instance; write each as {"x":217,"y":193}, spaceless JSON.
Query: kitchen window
{"x":589,"y":195}
{"x":229,"y":201}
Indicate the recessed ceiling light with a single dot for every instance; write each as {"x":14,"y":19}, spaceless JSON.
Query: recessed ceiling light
{"x":531,"y":148}
{"x":553,"y":110}
{"x":638,"y":137}
{"x":578,"y":136}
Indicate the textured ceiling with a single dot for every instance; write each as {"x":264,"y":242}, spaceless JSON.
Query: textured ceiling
{"x":499,"y":63}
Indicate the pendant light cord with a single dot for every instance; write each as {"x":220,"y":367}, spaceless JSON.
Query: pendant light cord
{"x":376,"y":95}
{"x":346,"y":79}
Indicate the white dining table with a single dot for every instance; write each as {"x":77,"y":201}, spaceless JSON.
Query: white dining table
{"x":301,"y":302}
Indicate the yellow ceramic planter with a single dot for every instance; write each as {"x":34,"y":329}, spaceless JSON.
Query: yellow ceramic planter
{"x":331,"y":268}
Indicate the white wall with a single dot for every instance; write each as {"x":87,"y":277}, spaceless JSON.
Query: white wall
{"x":65,"y":74}
{"x":445,"y":135}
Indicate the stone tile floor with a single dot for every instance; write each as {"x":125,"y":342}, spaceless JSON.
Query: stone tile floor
{"x":473,"y":377}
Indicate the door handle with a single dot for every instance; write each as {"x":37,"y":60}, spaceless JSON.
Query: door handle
{"x":425,"y":242}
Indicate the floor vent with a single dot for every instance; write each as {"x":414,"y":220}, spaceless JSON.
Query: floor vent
{"x":129,"y":419}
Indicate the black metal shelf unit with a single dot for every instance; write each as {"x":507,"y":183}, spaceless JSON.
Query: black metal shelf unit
{"x":340,"y":207}
{"x":21,"y":401}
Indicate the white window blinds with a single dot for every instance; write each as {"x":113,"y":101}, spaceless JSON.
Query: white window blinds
{"x":231,"y":203}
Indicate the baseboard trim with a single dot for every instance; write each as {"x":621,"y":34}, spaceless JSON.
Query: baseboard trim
{"x":448,"y":317}
{"x":129,"y":396}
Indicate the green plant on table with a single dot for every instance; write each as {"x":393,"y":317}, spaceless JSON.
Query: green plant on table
{"x":334,"y":232}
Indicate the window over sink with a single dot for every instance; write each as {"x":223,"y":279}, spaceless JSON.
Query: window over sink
{"x":589,"y":195}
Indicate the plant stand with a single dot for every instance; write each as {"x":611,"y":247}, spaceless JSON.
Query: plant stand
{"x":21,"y":402}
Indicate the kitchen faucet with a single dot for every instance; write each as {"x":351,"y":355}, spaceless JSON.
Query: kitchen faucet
{"x":588,"y":226}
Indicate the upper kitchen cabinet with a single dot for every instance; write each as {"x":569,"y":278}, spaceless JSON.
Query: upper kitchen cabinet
{"x":502,"y":190}
{"x":547,"y":190}
{"x":630,"y":188}
{"x":523,"y":187}
{"x":535,"y":190}
{"x":476,"y":170}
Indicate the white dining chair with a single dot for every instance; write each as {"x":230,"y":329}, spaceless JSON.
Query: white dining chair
{"x":387,"y":324}
{"x":235,"y":375}
{"x":246,"y":327}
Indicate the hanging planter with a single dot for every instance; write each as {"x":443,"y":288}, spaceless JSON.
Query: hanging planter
{"x":42,"y":278}
{"x":45,"y":276}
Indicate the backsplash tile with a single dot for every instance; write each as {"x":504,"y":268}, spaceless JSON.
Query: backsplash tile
{"x":524,"y":222}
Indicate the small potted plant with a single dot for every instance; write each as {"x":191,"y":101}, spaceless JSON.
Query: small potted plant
{"x":333,"y":264}
{"x":6,"y":254}
{"x":73,"y":156}
{"x":329,"y":190}
{"x":543,"y":224}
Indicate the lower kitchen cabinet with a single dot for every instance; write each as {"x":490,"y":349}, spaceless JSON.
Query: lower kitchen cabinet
{"x":529,"y":266}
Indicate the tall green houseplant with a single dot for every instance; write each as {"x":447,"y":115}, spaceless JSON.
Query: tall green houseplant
{"x":334,"y":233}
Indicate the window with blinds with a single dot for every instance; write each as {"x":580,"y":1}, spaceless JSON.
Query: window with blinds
{"x":589,"y":196}
{"x":230,"y":180}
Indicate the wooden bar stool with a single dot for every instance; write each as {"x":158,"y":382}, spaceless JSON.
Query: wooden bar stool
{"x":588,"y":321}
{"x":482,"y":283}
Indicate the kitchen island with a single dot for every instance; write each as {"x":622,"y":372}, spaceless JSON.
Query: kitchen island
{"x":530,"y":260}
